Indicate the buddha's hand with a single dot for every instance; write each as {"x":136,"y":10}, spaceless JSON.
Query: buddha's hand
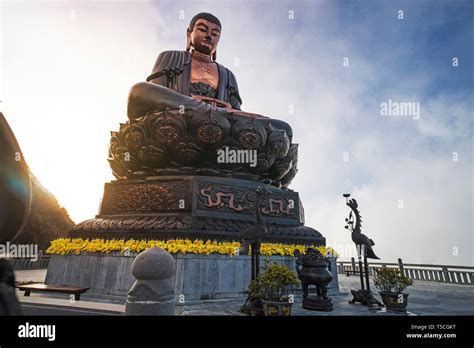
{"x":212,"y":101}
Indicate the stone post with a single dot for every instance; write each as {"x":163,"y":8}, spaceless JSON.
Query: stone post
{"x":400,"y":266}
{"x":153,"y":293}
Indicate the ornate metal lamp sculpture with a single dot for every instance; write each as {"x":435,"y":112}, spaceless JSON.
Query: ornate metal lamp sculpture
{"x":364,"y":250}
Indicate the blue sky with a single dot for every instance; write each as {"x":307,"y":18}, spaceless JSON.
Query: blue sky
{"x":88,"y":54}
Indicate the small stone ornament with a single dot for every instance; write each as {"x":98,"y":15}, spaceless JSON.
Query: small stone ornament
{"x":153,"y":293}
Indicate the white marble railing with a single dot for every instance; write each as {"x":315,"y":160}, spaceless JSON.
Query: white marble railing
{"x":435,"y":273}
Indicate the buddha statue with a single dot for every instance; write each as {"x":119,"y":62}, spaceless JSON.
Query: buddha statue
{"x":194,"y":73}
{"x":189,"y":110}
{"x":192,"y":79}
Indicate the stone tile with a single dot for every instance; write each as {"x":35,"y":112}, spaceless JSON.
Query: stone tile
{"x":426,"y":298}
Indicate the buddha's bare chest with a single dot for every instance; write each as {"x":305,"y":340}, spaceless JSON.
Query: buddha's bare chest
{"x":205,"y":73}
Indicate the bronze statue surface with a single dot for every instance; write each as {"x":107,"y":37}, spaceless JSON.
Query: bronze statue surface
{"x":312,"y":269}
{"x":194,"y":72}
{"x":188,"y":110}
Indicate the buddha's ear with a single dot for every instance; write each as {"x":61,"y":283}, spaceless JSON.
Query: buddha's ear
{"x":214,"y":56}
{"x":188,"y":40}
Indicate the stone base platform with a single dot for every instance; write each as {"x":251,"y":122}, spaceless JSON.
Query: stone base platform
{"x":195,"y":207}
{"x":314,"y":303}
{"x":198,"y":277}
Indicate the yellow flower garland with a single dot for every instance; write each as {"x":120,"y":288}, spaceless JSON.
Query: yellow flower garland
{"x":65,"y":246}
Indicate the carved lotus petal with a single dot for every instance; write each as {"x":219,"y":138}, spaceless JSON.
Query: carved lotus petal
{"x":168,"y":126}
{"x":166,"y":134}
{"x":152,"y":156}
{"x":134,"y":137}
{"x":211,"y":128}
{"x":188,"y":154}
{"x":279,"y":143}
{"x":114,"y":144}
{"x":249,"y":134}
{"x":210,"y":134}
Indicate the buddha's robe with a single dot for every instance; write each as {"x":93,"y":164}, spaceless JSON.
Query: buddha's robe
{"x":173,"y":70}
{"x":169,"y":86}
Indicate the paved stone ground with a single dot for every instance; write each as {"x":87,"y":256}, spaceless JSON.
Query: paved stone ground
{"x":425,"y":298}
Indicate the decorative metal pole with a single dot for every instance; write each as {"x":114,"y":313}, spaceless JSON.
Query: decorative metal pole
{"x":360,"y":250}
{"x":359,"y":247}
{"x":253,"y":236}
{"x":366,"y":270}
{"x":254,"y":261}
{"x":257,"y":260}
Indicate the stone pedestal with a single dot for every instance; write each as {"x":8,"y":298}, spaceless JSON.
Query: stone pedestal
{"x":198,"y":277}
{"x":153,"y":293}
{"x":180,"y":206}
{"x":317,"y":304}
{"x":195,"y":207}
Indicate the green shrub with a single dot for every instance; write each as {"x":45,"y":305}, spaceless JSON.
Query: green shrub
{"x":391,"y":280}
{"x":274,"y":284}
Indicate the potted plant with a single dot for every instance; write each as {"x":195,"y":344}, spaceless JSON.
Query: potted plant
{"x":273,"y":287}
{"x":391,"y":284}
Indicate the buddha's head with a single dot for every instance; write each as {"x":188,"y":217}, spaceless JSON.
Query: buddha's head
{"x":203,"y":34}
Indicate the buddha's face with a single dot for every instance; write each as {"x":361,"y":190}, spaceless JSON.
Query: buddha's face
{"x":204,"y":36}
